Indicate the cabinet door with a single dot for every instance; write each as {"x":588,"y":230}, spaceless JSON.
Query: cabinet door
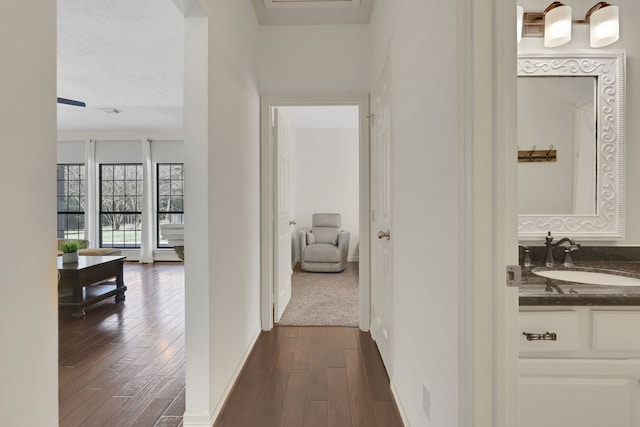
{"x":578,"y":393}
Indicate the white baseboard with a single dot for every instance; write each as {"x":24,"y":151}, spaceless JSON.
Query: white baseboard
{"x":193,"y":419}
{"x":197,"y":419}
{"x":234,"y":377}
{"x":403,"y":415}
{"x":353,"y":259}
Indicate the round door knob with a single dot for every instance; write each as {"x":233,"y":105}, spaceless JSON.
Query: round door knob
{"x":384,"y":234}
{"x":292,"y":222}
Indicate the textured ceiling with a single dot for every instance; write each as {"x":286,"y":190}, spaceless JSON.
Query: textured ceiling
{"x":128,"y":55}
{"x":122,"y":54}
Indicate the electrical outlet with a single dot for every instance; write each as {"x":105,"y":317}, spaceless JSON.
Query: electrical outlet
{"x":426,"y":400}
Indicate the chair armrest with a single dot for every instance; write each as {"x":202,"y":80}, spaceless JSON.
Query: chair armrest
{"x":302,"y":240}
{"x":343,"y":244}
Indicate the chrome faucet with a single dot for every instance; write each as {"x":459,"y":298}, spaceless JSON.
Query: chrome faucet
{"x":526,"y":261}
{"x":573,"y":246}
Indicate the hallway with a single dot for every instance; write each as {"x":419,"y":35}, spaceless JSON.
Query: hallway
{"x":123,"y":364}
{"x":312,"y":376}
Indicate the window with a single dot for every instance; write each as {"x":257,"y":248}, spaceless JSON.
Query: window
{"x":170,"y":210}
{"x":71,"y":201}
{"x":120,"y":205}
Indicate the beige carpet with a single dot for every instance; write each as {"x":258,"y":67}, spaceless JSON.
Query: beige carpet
{"x":323,"y":299}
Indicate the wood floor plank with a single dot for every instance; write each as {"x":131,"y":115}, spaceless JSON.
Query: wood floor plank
{"x":169,"y":422}
{"x":294,"y":399}
{"x":292,"y":395}
{"x":339,"y":410}
{"x":360,"y":401}
{"x":177,"y":407}
{"x":302,"y":355}
{"x":387,"y":414}
{"x":104,"y":413}
{"x":350,"y":338}
{"x":269,"y":408}
{"x":335,"y":348}
{"x":315,"y":414}
{"x":114,"y":344}
{"x":318,"y":364}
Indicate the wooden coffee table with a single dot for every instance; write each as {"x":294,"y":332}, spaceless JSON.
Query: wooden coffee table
{"x":85,"y":282}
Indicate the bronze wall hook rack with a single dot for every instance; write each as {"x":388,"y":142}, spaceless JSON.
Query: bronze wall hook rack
{"x":534,"y":155}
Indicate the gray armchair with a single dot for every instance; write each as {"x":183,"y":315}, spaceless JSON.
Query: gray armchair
{"x":325,"y":248}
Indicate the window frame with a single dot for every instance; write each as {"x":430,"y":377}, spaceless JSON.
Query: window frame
{"x":159,"y":212}
{"x":81,"y":232}
{"x":138,"y":233}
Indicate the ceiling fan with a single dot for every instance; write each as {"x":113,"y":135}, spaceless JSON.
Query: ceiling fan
{"x":71,"y":102}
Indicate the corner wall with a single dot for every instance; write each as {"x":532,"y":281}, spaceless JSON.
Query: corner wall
{"x":222,"y":194}
{"x":425,"y":206}
{"x":29,"y":303}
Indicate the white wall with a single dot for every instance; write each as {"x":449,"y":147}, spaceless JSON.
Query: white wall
{"x":629,"y":41}
{"x":222,"y":196}
{"x":326,"y":178}
{"x":28,"y":307}
{"x":314,"y":59}
{"x":425,"y":207}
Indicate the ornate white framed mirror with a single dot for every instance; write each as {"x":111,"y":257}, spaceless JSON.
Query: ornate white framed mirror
{"x":571,"y":103}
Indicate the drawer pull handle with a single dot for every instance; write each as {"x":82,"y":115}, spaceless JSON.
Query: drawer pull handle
{"x":547,"y":336}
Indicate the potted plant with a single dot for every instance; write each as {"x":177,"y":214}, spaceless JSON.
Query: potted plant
{"x":70,"y":251}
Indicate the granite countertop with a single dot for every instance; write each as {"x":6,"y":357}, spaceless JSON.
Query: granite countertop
{"x":536,"y":290}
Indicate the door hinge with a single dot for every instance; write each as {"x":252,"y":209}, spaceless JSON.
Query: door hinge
{"x":514,"y":275}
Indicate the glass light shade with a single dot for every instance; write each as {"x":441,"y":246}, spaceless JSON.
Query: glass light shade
{"x":605,"y":26}
{"x":557,"y":26}
{"x":519,"y":14}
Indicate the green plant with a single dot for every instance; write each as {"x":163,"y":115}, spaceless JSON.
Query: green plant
{"x":70,"y":246}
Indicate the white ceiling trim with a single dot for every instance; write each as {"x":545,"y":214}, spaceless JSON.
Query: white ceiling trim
{"x":310,"y":3}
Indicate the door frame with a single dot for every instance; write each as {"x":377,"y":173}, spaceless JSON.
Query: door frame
{"x":267,"y":218}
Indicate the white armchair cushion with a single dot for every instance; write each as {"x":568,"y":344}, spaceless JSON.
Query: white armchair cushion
{"x":326,"y":235}
{"x":322,"y":252}
{"x":311,"y":238}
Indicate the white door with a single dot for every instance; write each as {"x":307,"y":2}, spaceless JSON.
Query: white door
{"x":282,"y":251}
{"x":381,"y":238}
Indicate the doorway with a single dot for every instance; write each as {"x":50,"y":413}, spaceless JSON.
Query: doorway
{"x":276,"y":275}
{"x":317,"y":163}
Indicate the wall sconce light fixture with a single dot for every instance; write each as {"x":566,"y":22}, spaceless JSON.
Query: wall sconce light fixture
{"x":557,"y":24}
{"x":604,"y":24}
{"x":554,"y":24}
{"x":519,"y":16}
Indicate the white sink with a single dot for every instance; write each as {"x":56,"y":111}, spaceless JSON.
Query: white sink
{"x":591,"y":277}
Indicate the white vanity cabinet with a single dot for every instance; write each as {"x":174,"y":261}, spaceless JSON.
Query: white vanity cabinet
{"x":588,"y":376}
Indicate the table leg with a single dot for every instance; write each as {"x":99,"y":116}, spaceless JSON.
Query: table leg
{"x":120,"y":283}
{"x":78,"y":314}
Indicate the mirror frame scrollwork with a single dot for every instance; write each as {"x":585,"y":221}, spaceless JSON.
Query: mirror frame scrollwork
{"x":609,"y":69}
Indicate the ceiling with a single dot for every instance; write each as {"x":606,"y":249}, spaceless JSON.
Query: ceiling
{"x":313,"y":12}
{"x":322,"y":117}
{"x":120,"y":54}
{"x":128,"y":56}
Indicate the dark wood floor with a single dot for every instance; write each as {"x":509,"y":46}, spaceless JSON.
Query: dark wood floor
{"x":312,"y":376}
{"x":123,"y":364}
